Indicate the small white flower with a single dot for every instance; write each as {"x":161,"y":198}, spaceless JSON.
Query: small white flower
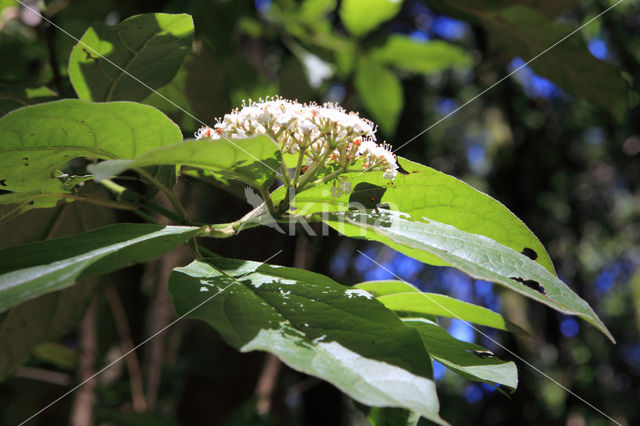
{"x":321,"y":132}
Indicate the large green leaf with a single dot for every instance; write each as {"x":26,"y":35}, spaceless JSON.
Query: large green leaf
{"x":409,"y":301}
{"x":477,"y":255}
{"x":314,"y":325}
{"x":151,"y":47}
{"x":464,"y":358}
{"x":423,"y":57}
{"x":254,"y":160}
{"x":362,"y":16}
{"x":425,"y":192}
{"x":37,"y":140}
{"x":381,"y":92}
{"x":37,"y":268}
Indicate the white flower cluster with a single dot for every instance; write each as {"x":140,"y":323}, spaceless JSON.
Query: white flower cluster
{"x":324,"y":134}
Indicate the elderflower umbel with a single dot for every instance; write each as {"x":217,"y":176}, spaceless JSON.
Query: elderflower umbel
{"x":325,"y":135}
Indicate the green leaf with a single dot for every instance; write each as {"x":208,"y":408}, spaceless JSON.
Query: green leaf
{"x":384,"y":288}
{"x":408,"y":304}
{"x":422,"y":57}
{"x":254,"y":160}
{"x":362,"y":16}
{"x":550,"y":8}
{"x":50,"y":316}
{"x":407,"y":300}
{"x":381,"y":92}
{"x":387,"y":416}
{"x":36,"y":141}
{"x":42,"y":319}
{"x":461,"y":357}
{"x":57,"y":354}
{"x":525,"y":32}
{"x":314,"y":10}
{"x":314,"y":325}
{"x":151,"y":47}
{"x":477,"y":255}
{"x":425,"y":192}
{"x":37,"y":268}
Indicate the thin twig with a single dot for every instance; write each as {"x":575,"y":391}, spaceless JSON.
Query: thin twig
{"x":42,"y":375}
{"x":266,"y":384}
{"x":84,"y":401}
{"x":122,"y":325}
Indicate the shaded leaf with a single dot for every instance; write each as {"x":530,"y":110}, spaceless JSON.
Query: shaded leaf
{"x":381,"y":92}
{"x":477,"y":255}
{"x":314,"y":325}
{"x":387,"y":416}
{"x":39,"y":320}
{"x":38,"y":140}
{"x":151,"y":47}
{"x":254,"y":160}
{"x":423,"y":57}
{"x":42,"y":267}
{"x":57,"y":354}
{"x":12,"y":97}
{"x":526,"y":32}
{"x":46,"y":318}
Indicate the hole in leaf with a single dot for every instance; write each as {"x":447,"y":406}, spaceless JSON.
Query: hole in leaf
{"x":532,"y":284}
{"x":530,"y":253}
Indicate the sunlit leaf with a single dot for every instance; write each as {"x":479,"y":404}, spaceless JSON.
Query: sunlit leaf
{"x":424,"y":192}
{"x":424,"y":57}
{"x":36,"y":141}
{"x":381,"y":92}
{"x":362,"y":16}
{"x":254,"y":160}
{"x":477,"y":255}
{"x":409,"y":301}
{"x":314,"y":325}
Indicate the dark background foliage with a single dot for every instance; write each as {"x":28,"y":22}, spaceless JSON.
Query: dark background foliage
{"x":568,"y":167}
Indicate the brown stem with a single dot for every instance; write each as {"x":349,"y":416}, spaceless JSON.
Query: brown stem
{"x":122,"y":325}
{"x":85,"y":397}
{"x":266,"y":384}
{"x":160,"y":315}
